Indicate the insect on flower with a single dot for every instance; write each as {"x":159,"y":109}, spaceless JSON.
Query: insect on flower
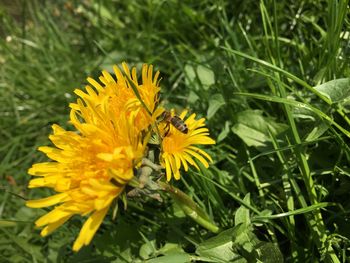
{"x":176,"y":121}
{"x":180,"y":149}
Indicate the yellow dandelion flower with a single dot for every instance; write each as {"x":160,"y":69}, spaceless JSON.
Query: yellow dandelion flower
{"x":179,"y":148}
{"x":89,"y":172}
{"x":91,"y":168}
{"x":118,"y":95}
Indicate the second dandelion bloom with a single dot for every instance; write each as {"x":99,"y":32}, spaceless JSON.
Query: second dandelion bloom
{"x":180,"y":148}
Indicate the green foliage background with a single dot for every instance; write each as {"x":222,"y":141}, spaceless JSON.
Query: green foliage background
{"x":272,"y":79}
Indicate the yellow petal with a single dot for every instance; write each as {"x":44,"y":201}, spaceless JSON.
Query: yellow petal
{"x":99,"y":185}
{"x":198,"y":131}
{"x":198,"y":156}
{"x":48,"y":201}
{"x":108,"y":76}
{"x":184,"y":163}
{"x":63,"y":184}
{"x":52,"y":227}
{"x":167,"y":169}
{"x":174,"y":168}
{"x":94,"y":83}
{"x":89,"y":229}
{"x":48,"y":181}
{"x":53,"y":216}
{"x":119,"y":75}
{"x":41,"y":169}
{"x":202,"y":140}
{"x":177,"y":161}
{"x":126,"y":68}
{"x":104,"y":202}
{"x":189,"y":159}
{"x":196,"y":149}
{"x":81,"y":94}
{"x":183,"y":114}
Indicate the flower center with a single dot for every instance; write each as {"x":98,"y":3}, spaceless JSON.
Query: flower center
{"x":173,"y":143}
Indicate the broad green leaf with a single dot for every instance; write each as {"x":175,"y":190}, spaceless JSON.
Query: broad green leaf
{"x":170,"y":248}
{"x":181,"y":257}
{"x":252,"y":249}
{"x":199,"y":76}
{"x":250,"y":136}
{"x":268,"y":252}
{"x":317,"y":132}
{"x":147,"y":249}
{"x":297,"y":104}
{"x":190,"y":74}
{"x":206,"y":76}
{"x":336,"y":90}
{"x":304,"y":113}
{"x":253,"y":128}
{"x":244,"y":239}
{"x":242,"y":213}
{"x":218,"y":248}
{"x":215,"y":103}
{"x":224,"y":132}
{"x":192,"y":97}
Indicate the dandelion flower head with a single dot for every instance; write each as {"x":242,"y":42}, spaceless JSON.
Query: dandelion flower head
{"x":91,"y":166}
{"x":180,"y":149}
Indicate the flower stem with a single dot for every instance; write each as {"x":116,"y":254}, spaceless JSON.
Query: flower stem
{"x":152,"y":165}
{"x":189,"y":207}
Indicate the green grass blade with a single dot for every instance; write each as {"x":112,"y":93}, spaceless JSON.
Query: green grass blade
{"x":303,"y":210}
{"x":277,"y":69}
